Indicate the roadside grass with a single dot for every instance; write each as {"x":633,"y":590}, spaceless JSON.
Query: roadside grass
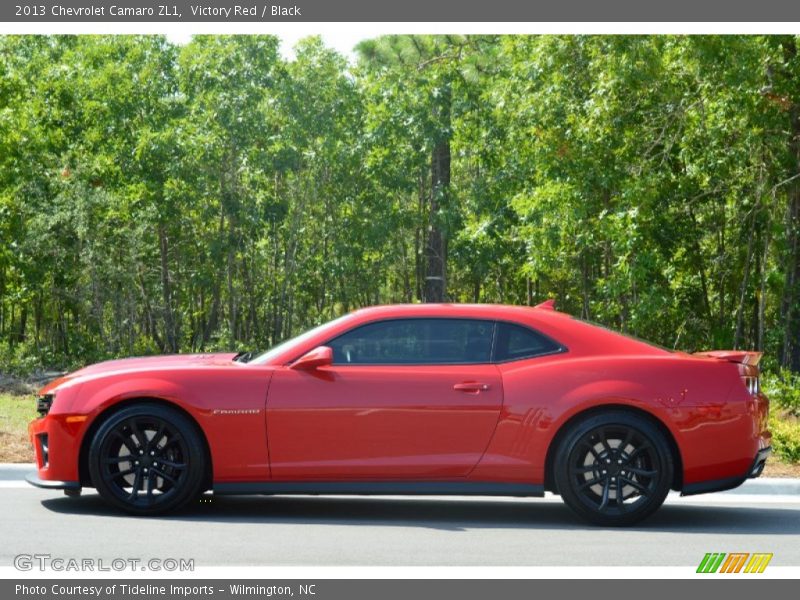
{"x":785,"y":428}
{"x":16,"y":411}
{"x":783,"y":390}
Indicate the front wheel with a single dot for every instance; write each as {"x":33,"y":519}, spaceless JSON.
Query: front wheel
{"x":614,"y":468}
{"x":147,"y":459}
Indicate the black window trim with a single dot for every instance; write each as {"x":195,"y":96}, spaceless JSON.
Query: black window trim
{"x":559,"y":347}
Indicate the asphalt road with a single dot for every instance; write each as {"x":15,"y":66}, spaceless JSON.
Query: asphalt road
{"x":255,"y":530}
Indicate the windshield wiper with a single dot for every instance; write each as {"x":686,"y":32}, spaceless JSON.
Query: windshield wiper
{"x":243,"y":357}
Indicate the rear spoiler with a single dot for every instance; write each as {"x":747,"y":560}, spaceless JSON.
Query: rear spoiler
{"x":743,"y":357}
{"x":547,"y":304}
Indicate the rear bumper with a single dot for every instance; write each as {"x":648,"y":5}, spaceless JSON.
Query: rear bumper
{"x":33,"y":479}
{"x":760,"y":462}
{"x":720,"y":485}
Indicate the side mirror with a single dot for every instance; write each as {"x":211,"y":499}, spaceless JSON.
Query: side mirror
{"x":321,"y":356}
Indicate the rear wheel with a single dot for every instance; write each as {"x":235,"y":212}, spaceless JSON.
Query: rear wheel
{"x":147,"y":459}
{"x":614,"y":468}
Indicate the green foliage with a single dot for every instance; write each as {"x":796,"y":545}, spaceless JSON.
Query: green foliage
{"x":156,"y":198}
{"x":786,"y":438}
{"x":783,"y":390}
{"x":20,"y":360}
{"x":16,"y":411}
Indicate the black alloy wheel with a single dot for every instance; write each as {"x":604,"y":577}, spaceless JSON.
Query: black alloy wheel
{"x":147,"y":459}
{"x":614,"y":468}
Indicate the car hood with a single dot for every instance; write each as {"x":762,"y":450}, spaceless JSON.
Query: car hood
{"x":143,"y":363}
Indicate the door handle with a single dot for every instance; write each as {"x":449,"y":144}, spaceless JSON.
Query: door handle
{"x":471,"y":387}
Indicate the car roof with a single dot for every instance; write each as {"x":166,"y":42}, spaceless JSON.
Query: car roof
{"x":581,"y":337}
{"x":447,"y":309}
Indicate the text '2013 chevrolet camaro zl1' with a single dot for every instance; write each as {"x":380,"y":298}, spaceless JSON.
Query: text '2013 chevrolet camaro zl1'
{"x":413,"y":399}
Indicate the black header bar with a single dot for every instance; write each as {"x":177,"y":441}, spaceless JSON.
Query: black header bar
{"x":257,"y":11}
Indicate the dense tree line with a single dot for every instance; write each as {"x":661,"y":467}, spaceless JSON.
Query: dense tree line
{"x":161,"y":198}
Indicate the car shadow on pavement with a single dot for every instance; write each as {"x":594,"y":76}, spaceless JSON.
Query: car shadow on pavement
{"x":446,"y":514}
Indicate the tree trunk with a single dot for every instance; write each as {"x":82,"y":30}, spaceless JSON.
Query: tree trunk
{"x":790,"y":355}
{"x":233,"y":308}
{"x":436,"y":246}
{"x":419,"y":233}
{"x":790,"y":317}
{"x":701,"y":269}
{"x":751,"y":235}
{"x":23,"y":324}
{"x":762,"y":293}
{"x":170,"y":337}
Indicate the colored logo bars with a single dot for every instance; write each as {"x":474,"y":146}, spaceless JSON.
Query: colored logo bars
{"x":735,"y":562}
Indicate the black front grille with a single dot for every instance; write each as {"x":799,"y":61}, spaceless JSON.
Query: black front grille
{"x":43,"y":404}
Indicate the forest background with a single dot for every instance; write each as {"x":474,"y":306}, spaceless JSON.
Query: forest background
{"x":216,"y":195}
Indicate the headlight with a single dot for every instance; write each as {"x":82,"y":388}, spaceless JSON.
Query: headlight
{"x":43,"y":404}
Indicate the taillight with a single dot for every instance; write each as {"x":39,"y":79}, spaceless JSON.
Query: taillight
{"x":752,"y":384}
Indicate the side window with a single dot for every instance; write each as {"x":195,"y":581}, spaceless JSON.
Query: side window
{"x":515,"y":342}
{"x":415,"y":342}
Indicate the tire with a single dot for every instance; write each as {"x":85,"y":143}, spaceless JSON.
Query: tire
{"x":614,"y":468}
{"x":147,"y":459}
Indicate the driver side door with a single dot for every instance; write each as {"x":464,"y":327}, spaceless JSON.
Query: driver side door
{"x":405,"y":399}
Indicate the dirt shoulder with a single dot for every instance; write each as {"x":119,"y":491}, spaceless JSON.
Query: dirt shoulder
{"x":776,"y":468}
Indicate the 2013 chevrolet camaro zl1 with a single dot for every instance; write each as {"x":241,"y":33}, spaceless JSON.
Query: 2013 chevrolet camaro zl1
{"x":413,"y":399}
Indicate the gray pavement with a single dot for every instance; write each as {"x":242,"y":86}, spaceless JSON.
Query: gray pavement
{"x":290,"y":530}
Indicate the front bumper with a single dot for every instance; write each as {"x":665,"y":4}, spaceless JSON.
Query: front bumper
{"x":33,"y":479}
{"x":720,"y":485}
{"x":56,"y":444}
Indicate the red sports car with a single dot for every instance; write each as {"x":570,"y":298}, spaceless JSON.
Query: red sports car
{"x":413,"y":399}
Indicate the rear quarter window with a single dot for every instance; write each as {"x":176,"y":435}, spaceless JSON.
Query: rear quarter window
{"x":515,"y":342}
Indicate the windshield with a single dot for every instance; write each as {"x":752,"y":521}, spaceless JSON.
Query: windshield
{"x":275,"y":351}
